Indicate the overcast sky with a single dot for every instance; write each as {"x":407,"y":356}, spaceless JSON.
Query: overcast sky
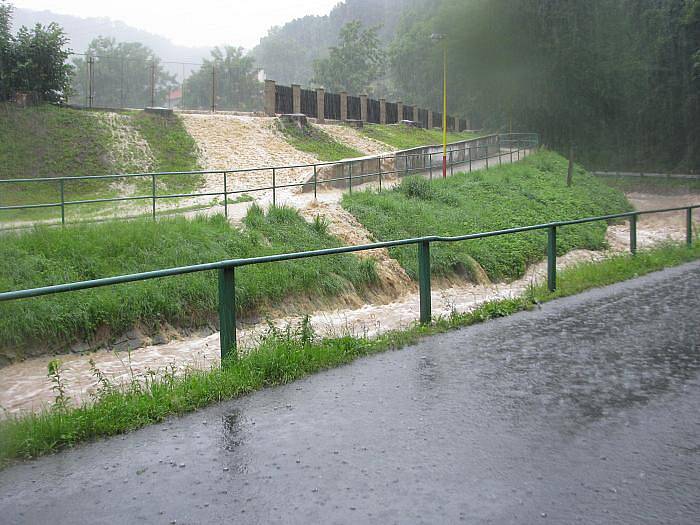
{"x":193,"y":22}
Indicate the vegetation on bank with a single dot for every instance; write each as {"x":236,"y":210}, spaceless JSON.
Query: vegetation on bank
{"x":283,"y":356}
{"x":46,"y":256}
{"x":47,"y":141}
{"x":401,"y":136}
{"x":533,"y":191}
{"x":312,"y":139}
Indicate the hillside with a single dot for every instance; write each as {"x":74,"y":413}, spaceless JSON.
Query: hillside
{"x":81,"y":31}
{"x":287,"y":53}
{"x":47,"y":141}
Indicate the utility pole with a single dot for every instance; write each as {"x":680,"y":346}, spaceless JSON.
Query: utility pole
{"x":153,"y":84}
{"x":437,"y":37}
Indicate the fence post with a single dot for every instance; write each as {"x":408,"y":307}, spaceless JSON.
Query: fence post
{"x":363,"y":108}
{"x":350,"y":177}
{"x":689,"y":227}
{"x":430,"y":119}
{"x":296,"y":98}
{"x":382,"y":111}
{"x":225,"y":197}
{"x":227,"y":312}
{"x":274,"y":189}
{"x":633,"y":234}
{"x":470,"y":159}
{"x":552,"y":258}
{"x":270,"y":98}
{"x":399,"y":111}
{"x":63,"y":204}
{"x":153,"y":194}
{"x":315,"y":181}
{"x":452,"y":170}
{"x":430,"y":161}
{"x":320,"y":105}
{"x":343,"y":106}
{"x":380,"y":174}
{"x":424,"y":281}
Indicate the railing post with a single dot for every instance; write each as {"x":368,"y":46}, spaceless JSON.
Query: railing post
{"x":227,"y":312}
{"x":689,"y":227}
{"x":470,"y":159}
{"x":274,"y":190}
{"x":487,"y":157}
{"x":350,"y":177}
{"x":452,"y":169}
{"x":63,"y":203}
{"x":424,"y":281}
{"x":633,"y":234}
{"x":552,"y":258}
{"x":225,"y":197}
{"x":315,"y":181}
{"x":430,"y":161}
{"x":153,"y":194}
{"x":380,"y":174}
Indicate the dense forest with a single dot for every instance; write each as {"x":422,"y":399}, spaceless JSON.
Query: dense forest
{"x":617,"y":79}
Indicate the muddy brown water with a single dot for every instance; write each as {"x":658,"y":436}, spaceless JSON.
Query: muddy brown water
{"x":25,"y":386}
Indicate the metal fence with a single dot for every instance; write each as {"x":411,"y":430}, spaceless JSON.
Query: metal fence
{"x":227,"y":269}
{"x":424,"y":159}
{"x":119,"y":82}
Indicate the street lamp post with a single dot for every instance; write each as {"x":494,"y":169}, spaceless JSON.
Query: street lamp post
{"x":437,"y":37}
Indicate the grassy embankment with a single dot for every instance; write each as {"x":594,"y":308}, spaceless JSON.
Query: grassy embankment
{"x":281,"y":358}
{"x":401,"y":136}
{"x":47,"y":256}
{"x":533,"y":191}
{"x":47,"y":141}
{"x":313,"y":140}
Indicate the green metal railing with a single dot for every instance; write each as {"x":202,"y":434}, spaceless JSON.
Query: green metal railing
{"x":227,"y":269}
{"x":460,"y":153}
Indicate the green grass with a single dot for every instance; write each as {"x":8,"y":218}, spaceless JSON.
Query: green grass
{"x":313,"y":140}
{"x":47,"y":141}
{"x":401,"y":136}
{"x":46,"y":256}
{"x":533,"y":191}
{"x":282,"y":357}
{"x":173,"y":148}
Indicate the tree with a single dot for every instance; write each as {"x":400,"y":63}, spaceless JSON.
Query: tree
{"x":6,"y":50}
{"x":354,"y":64}
{"x":124,"y":74}
{"x":34,"y":60}
{"x":233,"y":77}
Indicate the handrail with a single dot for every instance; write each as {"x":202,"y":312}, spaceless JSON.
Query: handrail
{"x":227,"y":309}
{"x":466,"y":152}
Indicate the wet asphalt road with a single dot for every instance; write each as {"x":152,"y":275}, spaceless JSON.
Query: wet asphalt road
{"x":586,"y":410}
